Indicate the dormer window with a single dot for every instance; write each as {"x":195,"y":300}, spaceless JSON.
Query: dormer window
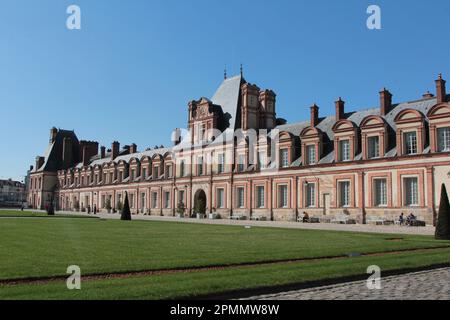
{"x":241,"y":163}
{"x":221,"y":163}
{"x":311,"y":155}
{"x":373,"y":145}
{"x":344,"y":150}
{"x":410,"y":142}
{"x":443,"y":135}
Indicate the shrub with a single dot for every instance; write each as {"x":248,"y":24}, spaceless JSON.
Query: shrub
{"x":443,"y":223}
{"x":126,"y":213}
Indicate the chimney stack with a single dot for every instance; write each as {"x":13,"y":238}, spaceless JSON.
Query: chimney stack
{"x":133,"y":148}
{"x":53,"y":133}
{"x":85,"y":155}
{"x":102,"y":152}
{"x":314,"y":115}
{"x":339,"y":109}
{"x":428,"y":95}
{"x":39,"y":162}
{"x":440,"y":90}
{"x":385,"y":102}
{"x":115,"y":146}
{"x":67,"y":152}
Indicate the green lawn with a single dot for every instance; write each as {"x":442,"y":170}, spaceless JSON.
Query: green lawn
{"x":45,"y":247}
{"x":31,"y":214}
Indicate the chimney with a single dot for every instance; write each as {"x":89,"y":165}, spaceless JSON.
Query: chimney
{"x":133,"y":148}
{"x":176,"y":136}
{"x":102,"y":152}
{"x":39,"y":162}
{"x":53,"y":133}
{"x":339,"y":109}
{"x":385,"y":102}
{"x":31,"y":168}
{"x":428,"y":95}
{"x":314,"y":115}
{"x":440,"y":90}
{"x":85,"y":155}
{"x":67,"y":152}
{"x":115,"y":146}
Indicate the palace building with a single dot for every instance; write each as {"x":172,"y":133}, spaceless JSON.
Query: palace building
{"x":374,"y":162}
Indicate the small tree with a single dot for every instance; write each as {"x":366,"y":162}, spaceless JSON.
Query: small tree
{"x":51,"y":208}
{"x":108,"y":205}
{"x":119,"y":206}
{"x":181,"y":208}
{"x":76,"y":205}
{"x":443,"y":223}
{"x":126,"y":213}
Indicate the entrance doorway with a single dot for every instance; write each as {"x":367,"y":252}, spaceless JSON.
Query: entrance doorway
{"x":200,"y":202}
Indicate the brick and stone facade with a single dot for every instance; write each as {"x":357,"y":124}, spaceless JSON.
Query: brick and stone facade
{"x":239,"y":159}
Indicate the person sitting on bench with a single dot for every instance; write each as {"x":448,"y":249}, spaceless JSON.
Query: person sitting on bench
{"x":305,"y":217}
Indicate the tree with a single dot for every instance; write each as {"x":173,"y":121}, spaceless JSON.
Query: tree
{"x":126,"y":213}
{"x":443,"y":223}
{"x":181,"y":208}
{"x":108,"y":205}
{"x":51,"y":208}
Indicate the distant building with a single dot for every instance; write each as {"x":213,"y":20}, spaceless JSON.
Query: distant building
{"x":373,"y":162}
{"x":12,"y":193}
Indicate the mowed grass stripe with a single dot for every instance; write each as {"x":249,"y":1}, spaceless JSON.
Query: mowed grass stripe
{"x":46,"y":247}
{"x":214,"y":282}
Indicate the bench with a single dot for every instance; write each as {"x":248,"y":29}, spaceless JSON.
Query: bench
{"x":258,"y":218}
{"x":238,"y":217}
{"x":343,"y":219}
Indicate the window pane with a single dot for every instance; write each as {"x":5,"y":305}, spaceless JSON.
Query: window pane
{"x":410,"y":141}
{"x":344,"y":151}
{"x":283,"y":197}
{"x":260,"y":196}
{"x":444,"y":139}
{"x":380,"y":188}
{"x":411,"y":192}
{"x":373,"y":145}
{"x":284,"y":159}
{"x":240,"y":197}
{"x":310,"y":195}
{"x":220,"y":198}
{"x":310,"y":154}
{"x":344,"y":192}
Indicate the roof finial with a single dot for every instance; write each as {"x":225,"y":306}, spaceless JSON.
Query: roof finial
{"x":242,"y":71}
{"x":225,"y":73}
{"x":440,"y":76}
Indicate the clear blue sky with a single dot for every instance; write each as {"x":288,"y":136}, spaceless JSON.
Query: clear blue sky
{"x":131,"y":70}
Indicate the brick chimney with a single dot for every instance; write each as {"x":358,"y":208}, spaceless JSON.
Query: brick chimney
{"x":440,"y":90}
{"x":385,"y":102}
{"x":53,"y":133}
{"x":115,"y":147}
{"x":427,"y":95}
{"x":102,"y":152}
{"x":133,"y":148}
{"x":339,"y":109}
{"x":39,"y":162}
{"x":314,"y":115}
{"x":176,"y":136}
{"x":67,"y":152}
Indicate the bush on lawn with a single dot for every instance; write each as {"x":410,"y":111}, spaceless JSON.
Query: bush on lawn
{"x":126,"y":213}
{"x":50,"y":209}
{"x":443,"y":223}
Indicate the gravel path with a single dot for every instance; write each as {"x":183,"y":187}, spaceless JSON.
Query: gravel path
{"x":424,"y":285}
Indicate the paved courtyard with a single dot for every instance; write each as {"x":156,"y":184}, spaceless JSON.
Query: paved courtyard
{"x":425,"y":285}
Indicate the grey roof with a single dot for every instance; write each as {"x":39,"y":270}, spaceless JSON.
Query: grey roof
{"x":227,"y":96}
{"x":128,"y":157}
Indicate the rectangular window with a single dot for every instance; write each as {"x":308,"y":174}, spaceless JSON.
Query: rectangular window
{"x":154,"y":200}
{"x":310,"y":195}
{"x":310,"y":155}
{"x":144,"y":173}
{"x":411,"y":188}
{"x":131,"y":200}
{"x":344,"y":193}
{"x":132,"y":175}
{"x":143,"y":204}
{"x":181,"y":196}
{"x":182,"y":173}
{"x":155,"y":172}
{"x":344,"y":150}
{"x":410,"y":142}
{"x":240,"y":197}
{"x":241,"y":163}
{"x":200,"y":166}
{"x":261,"y":160}
{"x":260,"y":197}
{"x":103,"y":201}
{"x":220,"y":198}
{"x":373,"y":145}
{"x":443,"y":139}
{"x":284,"y":158}
{"x":282,"y":196}
{"x":220,"y":163}
{"x":380,"y":192}
{"x":167,"y":200}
